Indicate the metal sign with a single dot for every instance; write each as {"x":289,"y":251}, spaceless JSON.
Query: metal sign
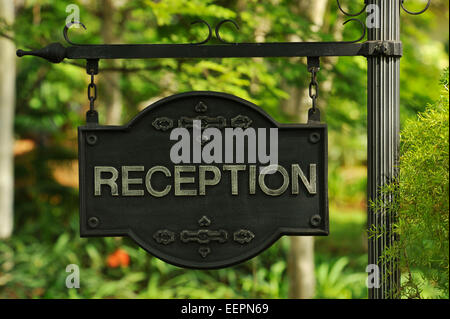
{"x":138,"y":215}
{"x":201,"y":215}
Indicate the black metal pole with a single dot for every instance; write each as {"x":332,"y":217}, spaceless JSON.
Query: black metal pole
{"x":383,"y":143}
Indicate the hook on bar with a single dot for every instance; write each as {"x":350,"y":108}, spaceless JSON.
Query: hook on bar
{"x":415,"y":13}
{"x":66,"y":29}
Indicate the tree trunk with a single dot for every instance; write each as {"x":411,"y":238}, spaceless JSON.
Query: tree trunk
{"x":301,"y":268}
{"x":110,"y":83}
{"x":301,"y":254}
{"x":7,"y":106}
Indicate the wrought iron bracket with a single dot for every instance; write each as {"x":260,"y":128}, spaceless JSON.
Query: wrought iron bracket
{"x":382,"y":48}
{"x":56,"y":52}
{"x":313,"y":63}
{"x":92,"y":66}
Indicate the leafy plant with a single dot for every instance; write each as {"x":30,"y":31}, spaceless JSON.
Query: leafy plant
{"x":336,"y":283}
{"x":421,"y":202}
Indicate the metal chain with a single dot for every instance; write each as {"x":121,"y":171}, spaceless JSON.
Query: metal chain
{"x":91,"y":97}
{"x":314,"y":88}
{"x":313,"y":67}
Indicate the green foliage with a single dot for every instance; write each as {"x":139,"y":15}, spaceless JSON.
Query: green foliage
{"x":334,"y":282}
{"x":341,"y":257}
{"x":424,"y":192}
{"x":421,"y":202}
{"x":31,"y":268}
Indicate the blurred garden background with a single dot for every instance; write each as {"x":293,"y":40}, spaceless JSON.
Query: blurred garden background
{"x":49,"y":101}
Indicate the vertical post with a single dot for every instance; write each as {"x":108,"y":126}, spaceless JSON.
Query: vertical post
{"x":383,"y":142}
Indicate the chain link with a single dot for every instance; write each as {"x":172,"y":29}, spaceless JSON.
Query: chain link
{"x":91,"y":97}
{"x":314,"y":88}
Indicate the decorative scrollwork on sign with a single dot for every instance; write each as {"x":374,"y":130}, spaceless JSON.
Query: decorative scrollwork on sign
{"x":241,"y":121}
{"x":219,"y":122}
{"x":201,"y":107}
{"x":163,"y":124}
{"x":203,"y":236}
{"x":243,"y":236}
{"x":204,"y":221}
{"x":206,"y":121}
{"x":164,"y":237}
{"x":204,"y":251}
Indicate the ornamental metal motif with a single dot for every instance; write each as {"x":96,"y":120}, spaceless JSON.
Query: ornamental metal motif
{"x":203,"y":236}
{"x":164,"y":237}
{"x":162,"y":123}
{"x":241,"y":121}
{"x":243,"y":236}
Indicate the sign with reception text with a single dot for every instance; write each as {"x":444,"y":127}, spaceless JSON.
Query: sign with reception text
{"x":203,"y":180}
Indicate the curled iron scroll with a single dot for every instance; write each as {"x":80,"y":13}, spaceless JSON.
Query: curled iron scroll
{"x":66,"y":29}
{"x":219,"y":25}
{"x":208,"y":38}
{"x":363,"y":27}
{"x":209,"y":30}
{"x":352,"y":14}
{"x":69,"y":25}
{"x":415,"y":13}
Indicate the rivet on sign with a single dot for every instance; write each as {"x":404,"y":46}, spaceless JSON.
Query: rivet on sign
{"x":315,"y":220}
{"x":314,"y":137}
{"x":93,"y":222}
{"x":91,"y":139}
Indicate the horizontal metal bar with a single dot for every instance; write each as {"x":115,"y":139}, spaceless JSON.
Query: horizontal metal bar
{"x":56,"y":53}
{"x":243,"y":50}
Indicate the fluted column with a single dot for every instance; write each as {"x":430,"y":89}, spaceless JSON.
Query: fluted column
{"x":383,"y":143}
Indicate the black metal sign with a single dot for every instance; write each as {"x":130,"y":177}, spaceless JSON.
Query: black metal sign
{"x":199,"y":229}
{"x":197,"y":214}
